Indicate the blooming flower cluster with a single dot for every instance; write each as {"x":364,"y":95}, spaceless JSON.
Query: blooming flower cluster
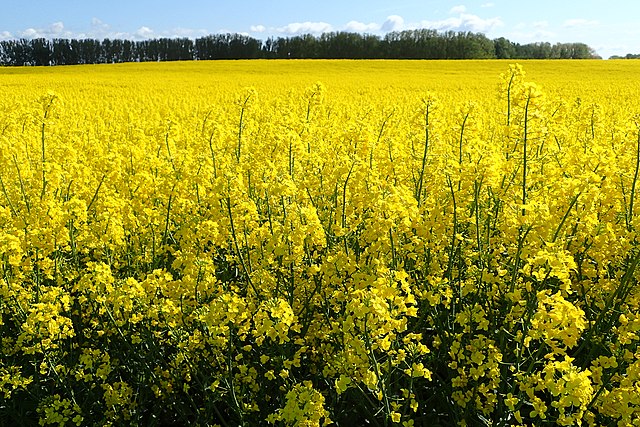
{"x":235,"y":243}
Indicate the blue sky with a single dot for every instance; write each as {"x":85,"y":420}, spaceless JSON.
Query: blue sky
{"x":610,"y":27}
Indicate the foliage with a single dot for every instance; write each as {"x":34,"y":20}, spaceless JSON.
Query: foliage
{"x":408,"y":44}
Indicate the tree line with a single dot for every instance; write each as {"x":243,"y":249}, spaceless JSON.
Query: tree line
{"x":627,"y":56}
{"x":408,"y":44}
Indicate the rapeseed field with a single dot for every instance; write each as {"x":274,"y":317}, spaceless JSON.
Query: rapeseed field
{"x":306,"y":243}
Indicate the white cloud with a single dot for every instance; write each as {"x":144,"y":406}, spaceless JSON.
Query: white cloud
{"x":30,"y":33}
{"x":144,"y":33}
{"x":361,"y":27}
{"x":532,"y":36}
{"x":100,"y":30}
{"x":97,"y":29}
{"x":297,"y":28}
{"x":537,"y":31}
{"x":486,"y":5}
{"x":464,"y":22}
{"x":55,"y":30}
{"x":188,"y":33}
{"x":393,"y":23}
{"x":305,"y":28}
{"x":98,"y":26}
{"x":475,"y":23}
{"x":226,"y":31}
{"x":57,"y":27}
{"x":579,"y":23}
{"x":458,"y":9}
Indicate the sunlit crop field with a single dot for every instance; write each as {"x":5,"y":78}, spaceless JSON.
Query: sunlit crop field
{"x":413,"y":243}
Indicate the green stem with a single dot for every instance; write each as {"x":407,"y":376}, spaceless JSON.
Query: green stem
{"x":633,"y":184}
{"x":95,"y":194}
{"x":241,"y":127}
{"x":524,"y":161}
{"x":564,"y":218}
{"x":424,"y":156}
{"x":22,"y":190}
{"x":384,"y":123}
{"x":44,"y":178}
{"x":237,"y":248}
{"x":6,"y":196}
{"x":509,"y":99}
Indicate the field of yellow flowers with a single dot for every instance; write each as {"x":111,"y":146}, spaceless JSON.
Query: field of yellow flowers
{"x":305,"y":243}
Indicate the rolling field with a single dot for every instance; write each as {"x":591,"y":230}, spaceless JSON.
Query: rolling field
{"x":320,"y":242}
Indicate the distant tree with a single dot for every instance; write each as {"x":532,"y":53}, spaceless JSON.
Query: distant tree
{"x":243,"y":47}
{"x":4,"y":59}
{"x":632,"y":56}
{"x":269,"y":48}
{"x":40,"y":51}
{"x":222,"y":46}
{"x":342,"y":45}
{"x":61,"y":52}
{"x":300,"y":47}
{"x":7,"y":57}
{"x":476,"y":46}
{"x":504,"y":49}
{"x":22,"y":52}
{"x":581,"y":51}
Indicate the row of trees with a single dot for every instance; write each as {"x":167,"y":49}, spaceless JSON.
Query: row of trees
{"x":409,"y":44}
{"x":627,"y":56}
